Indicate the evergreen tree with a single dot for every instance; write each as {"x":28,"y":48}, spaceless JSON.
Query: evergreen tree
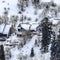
{"x":2,"y":55}
{"x":32,"y":52}
{"x":22,"y":4}
{"x":21,"y":44}
{"x":35,"y":42}
{"x":55,"y":49}
{"x":46,"y":33}
{"x":24,"y":42}
{"x":53,"y":4}
{"x":36,"y":2}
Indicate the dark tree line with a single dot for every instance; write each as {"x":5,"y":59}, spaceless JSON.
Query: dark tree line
{"x":46,"y":39}
{"x":36,"y":2}
{"x":46,"y":33}
{"x":2,"y":55}
{"x":55,"y":48}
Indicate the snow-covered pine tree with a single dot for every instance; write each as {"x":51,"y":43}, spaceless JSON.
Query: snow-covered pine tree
{"x":24,"y":42}
{"x":46,"y":33}
{"x":53,"y":4}
{"x":32,"y":53}
{"x":36,"y":2}
{"x":26,"y":2}
{"x":22,"y":4}
{"x":21,"y":44}
{"x":2,"y":55}
{"x":22,"y":18}
{"x":35,"y":42}
{"x":53,"y":47}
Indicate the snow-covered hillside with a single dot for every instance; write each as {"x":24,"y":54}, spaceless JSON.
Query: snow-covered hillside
{"x":12,"y":8}
{"x":24,"y":33}
{"x":9,"y":4}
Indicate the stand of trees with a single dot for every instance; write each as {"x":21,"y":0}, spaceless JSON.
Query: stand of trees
{"x":2,"y":55}
{"x":22,"y":4}
{"x":46,"y":33}
{"x":36,"y":2}
{"x":55,"y":49}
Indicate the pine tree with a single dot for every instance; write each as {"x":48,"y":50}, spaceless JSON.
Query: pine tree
{"x":2,"y":55}
{"x":55,"y":49}
{"x":46,"y":33}
{"x":22,"y":4}
{"x":53,"y":4}
{"x":21,"y":44}
{"x":36,"y":2}
{"x":35,"y":42}
{"x":32,"y":53}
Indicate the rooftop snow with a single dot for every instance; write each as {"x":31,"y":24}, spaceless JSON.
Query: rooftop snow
{"x":45,"y":0}
{"x":29,"y":26}
{"x":2,"y":27}
{"x":7,"y":29}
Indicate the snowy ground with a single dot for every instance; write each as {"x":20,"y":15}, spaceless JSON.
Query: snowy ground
{"x":29,"y":13}
{"x":26,"y":50}
{"x":9,"y":4}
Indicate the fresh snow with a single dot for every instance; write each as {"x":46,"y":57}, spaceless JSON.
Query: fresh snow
{"x":26,"y":50}
{"x":7,"y":29}
{"x":32,"y":24}
{"x":2,"y":27}
{"x":12,"y":4}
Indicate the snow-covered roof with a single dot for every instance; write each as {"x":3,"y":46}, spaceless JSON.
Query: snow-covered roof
{"x":2,"y":27}
{"x":13,"y":38}
{"x":55,"y":20}
{"x":29,"y":26}
{"x":45,"y":0}
{"x":7,"y":29}
{"x":25,"y":26}
{"x":34,"y":26}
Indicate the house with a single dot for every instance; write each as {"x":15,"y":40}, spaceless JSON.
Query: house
{"x":2,"y":26}
{"x":20,"y":31}
{"x":26,"y":30}
{"x":27,"y":27}
{"x":5,"y":30}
